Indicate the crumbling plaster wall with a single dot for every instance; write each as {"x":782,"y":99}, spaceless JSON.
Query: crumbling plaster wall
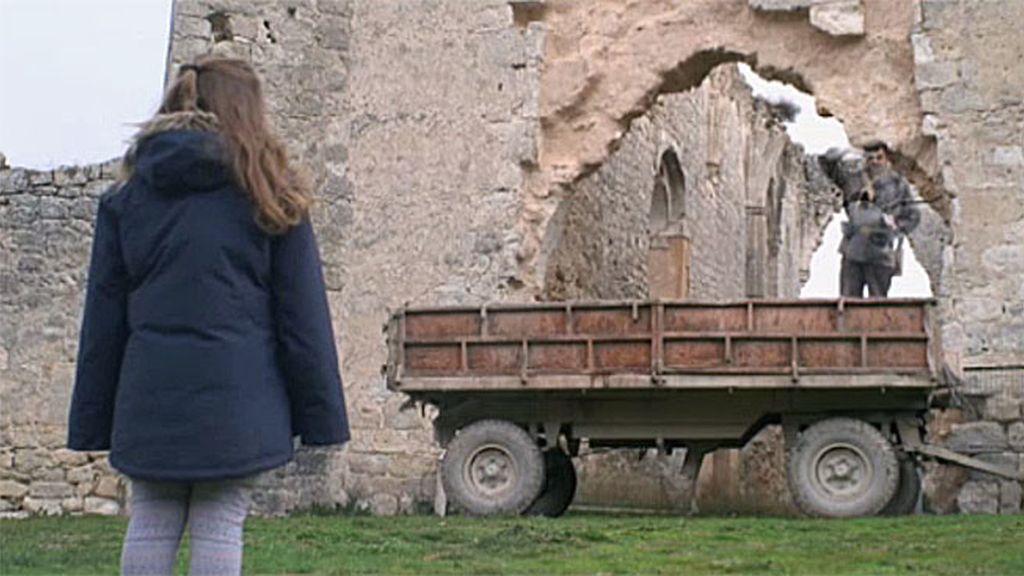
{"x":605,"y":61}
{"x":732,"y":151}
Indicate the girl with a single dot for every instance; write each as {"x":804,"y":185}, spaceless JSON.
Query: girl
{"x":206,"y":341}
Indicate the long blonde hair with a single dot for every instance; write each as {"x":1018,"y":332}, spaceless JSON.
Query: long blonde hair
{"x":230,"y":89}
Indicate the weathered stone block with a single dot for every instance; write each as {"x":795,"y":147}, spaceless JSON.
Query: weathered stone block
{"x":81,"y":474}
{"x":384,"y":505}
{"x":838,"y":17}
{"x":29,"y":460}
{"x":936,"y":74}
{"x":979,"y":497}
{"x":108,"y":487}
{"x":40,"y":178}
{"x":780,"y":5}
{"x":70,"y":176}
{"x":1010,"y":495}
{"x":42,"y":507}
{"x":978,"y":437}
{"x":72,"y":504}
{"x":1015,"y":436}
{"x":372,"y":464}
{"x":102,"y":506}
{"x":70,"y":457}
{"x":12,"y":489}
{"x":50,"y":490}
{"x":1002,"y":408}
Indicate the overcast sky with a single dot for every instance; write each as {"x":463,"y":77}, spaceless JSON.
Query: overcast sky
{"x":78,"y":74}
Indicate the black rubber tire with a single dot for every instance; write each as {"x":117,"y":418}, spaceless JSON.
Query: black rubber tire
{"x":827,"y":454}
{"x":559,"y":486}
{"x":492,"y":467}
{"x":908,"y":491}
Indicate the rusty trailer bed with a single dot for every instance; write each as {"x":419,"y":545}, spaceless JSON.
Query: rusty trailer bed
{"x":755,"y":344}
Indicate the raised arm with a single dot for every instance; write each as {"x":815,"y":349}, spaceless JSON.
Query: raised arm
{"x":305,"y":339}
{"x":102,"y":340}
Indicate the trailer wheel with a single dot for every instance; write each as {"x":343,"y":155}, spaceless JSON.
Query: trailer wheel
{"x":842,"y":468}
{"x":907,"y":491}
{"x":559,"y":486}
{"x":492,"y":467}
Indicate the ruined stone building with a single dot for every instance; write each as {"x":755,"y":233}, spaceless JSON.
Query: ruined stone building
{"x":514,"y":150}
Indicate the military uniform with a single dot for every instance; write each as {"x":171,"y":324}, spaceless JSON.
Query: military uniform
{"x":879,"y":215}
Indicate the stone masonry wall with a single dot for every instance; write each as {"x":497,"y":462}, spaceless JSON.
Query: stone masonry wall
{"x":46,"y":220}
{"x":969,"y":75}
{"x":416,"y":119}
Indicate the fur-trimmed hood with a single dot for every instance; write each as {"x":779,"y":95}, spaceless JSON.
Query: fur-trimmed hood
{"x":177,"y":150}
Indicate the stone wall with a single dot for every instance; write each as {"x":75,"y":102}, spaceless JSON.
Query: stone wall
{"x":46,"y":222}
{"x":969,"y":75}
{"x":416,"y":119}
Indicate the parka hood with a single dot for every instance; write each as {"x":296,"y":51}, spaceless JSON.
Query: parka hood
{"x":179,"y":152}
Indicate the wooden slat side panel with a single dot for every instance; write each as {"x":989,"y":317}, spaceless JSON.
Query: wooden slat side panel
{"x":617,"y":321}
{"x":439,"y":325}
{"x":710,"y":319}
{"x":829,"y":353}
{"x":611,"y":355}
{"x":495,"y":358}
{"x":755,"y":353}
{"x":526,"y":323}
{"x":792,"y":319}
{"x":898,"y":354}
{"x":694,"y":353}
{"x":433,"y":359}
{"x":562,"y":357}
{"x":885,"y":319}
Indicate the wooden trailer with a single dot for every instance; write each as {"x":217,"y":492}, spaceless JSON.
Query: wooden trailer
{"x":518,"y":387}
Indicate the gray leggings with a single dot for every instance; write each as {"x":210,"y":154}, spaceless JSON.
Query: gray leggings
{"x":214,"y":511}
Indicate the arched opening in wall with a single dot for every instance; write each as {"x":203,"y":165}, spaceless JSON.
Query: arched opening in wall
{"x":819,"y":135}
{"x":668,"y":255}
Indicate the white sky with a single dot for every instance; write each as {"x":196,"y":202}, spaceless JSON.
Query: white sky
{"x":816,"y":135}
{"x":78,"y":74}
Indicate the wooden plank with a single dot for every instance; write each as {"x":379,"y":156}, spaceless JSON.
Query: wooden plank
{"x":967,"y":461}
{"x":674,"y":336}
{"x":782,"y":380}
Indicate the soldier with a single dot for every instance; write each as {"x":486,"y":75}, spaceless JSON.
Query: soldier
{"x":881,"y":212}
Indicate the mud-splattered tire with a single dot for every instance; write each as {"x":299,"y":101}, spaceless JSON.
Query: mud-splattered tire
{"x":908,"y":491}
{"x":492,"y":467}
{"x":841,"y":468}
{"x":559,"y":486}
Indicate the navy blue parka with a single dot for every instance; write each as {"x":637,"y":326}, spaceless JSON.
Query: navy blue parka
{"x":206,"y":343}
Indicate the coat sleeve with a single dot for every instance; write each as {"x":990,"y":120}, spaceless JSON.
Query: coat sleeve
{"x":305,"y":339}
{"x":907,"y":215}
{"x":102,"y":339}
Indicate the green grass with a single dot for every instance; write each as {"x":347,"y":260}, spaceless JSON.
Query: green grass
{"x":577,"y":544}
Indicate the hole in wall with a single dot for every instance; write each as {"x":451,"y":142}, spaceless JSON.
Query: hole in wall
{"x":220,"y":27}
{"x":818,"y":134}
{"x":526,"y":11}
{"x":271,"y":37}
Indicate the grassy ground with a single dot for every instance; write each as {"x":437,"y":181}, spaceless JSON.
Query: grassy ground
{"x":577,"y":544}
